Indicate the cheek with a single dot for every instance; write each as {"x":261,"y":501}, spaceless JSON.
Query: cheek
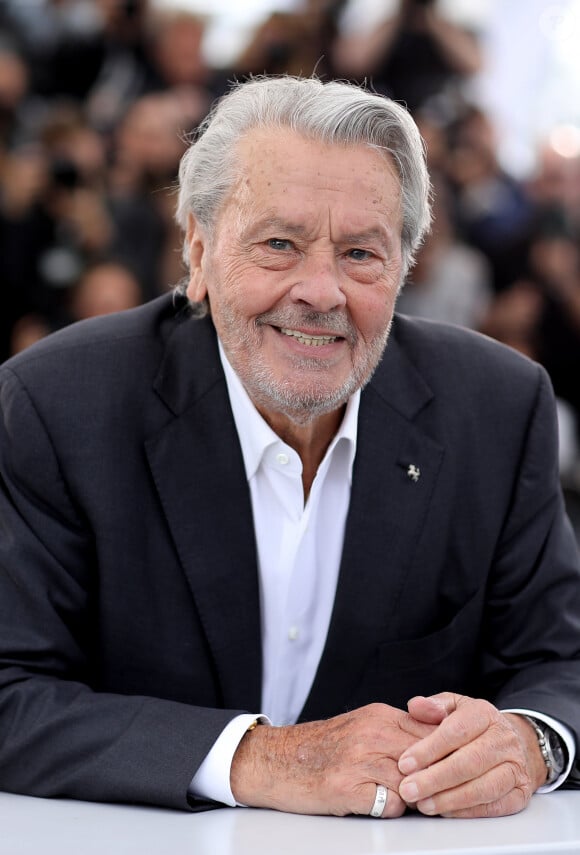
{"x":372,"y":310}
{"x":242,"y":285}
{"x":224,"y":280}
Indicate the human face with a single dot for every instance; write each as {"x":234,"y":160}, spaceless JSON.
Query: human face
{"x":302,"y":270}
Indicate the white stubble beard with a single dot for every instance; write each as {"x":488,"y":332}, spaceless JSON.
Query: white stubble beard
{"x":300,"y":406}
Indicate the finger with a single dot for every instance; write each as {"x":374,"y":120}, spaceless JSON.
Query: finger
{"x":464,"y":725}
{"x":392,"y":808}
{"x":447,"y":702}
{"x":380,"y":802}
{"x":497,"y":793}
{"x":412,"y":730}
{"x":486,"y":788}
{"x":499,"y":748}
{"x":444,"y":776}
{"x":431,"y":710}
{"x":514,"y":802}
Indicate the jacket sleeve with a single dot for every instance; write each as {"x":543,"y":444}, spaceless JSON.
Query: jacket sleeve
{"x":532,"y":626}
{"x":58,"y":736}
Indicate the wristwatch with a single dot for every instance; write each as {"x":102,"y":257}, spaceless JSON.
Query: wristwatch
{"x":551,"y":747}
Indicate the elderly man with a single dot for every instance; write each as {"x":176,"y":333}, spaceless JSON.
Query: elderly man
{"x":268,"y":500}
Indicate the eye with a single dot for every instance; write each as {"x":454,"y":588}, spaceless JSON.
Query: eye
{"x":279,"y":244}
{"x":359,"y":254}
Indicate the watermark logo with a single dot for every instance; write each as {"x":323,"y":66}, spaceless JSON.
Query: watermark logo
{"x":560,"y":22}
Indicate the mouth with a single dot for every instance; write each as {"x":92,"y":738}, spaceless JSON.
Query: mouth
{"x":308,"y":339}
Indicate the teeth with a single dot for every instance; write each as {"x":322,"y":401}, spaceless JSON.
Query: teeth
{"x":311,"y":340}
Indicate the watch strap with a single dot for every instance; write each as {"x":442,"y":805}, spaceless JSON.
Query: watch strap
{"x":551,"y":771}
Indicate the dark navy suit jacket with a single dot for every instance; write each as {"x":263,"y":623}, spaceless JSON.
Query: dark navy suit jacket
{"x":129,"y":601}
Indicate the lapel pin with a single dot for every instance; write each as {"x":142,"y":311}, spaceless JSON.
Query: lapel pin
{"x":413,"y":472}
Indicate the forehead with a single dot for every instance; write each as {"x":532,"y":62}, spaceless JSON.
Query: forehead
{"x":282,"y":167}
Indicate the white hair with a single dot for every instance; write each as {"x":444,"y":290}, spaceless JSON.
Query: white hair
{"x":332,"y":112}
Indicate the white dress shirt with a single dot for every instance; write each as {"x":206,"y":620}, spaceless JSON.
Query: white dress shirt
{"x":299,"y":548}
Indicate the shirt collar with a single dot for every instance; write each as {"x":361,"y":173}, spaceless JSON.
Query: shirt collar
{"x":256,"y":435}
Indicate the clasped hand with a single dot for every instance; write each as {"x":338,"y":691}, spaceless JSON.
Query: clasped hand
{"x":448,"y":754}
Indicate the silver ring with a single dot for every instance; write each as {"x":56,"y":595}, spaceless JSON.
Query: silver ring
{"x":380,"y":802}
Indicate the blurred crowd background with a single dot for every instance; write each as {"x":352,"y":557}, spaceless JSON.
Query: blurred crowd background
{"x":97,"y":98}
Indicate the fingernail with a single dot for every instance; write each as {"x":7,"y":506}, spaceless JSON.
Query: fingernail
{"x":409,"y":791}
{"x":407,"y":765}
{"x":427,"y":807}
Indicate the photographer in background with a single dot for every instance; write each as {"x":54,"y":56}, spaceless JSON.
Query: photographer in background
{"x":413,"y":56}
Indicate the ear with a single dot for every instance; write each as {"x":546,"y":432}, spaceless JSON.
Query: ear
{"x":196,"y":240}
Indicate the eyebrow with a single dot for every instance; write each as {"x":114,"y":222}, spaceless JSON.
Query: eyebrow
{"x":380,"y":234}
{"x":276,"y":224}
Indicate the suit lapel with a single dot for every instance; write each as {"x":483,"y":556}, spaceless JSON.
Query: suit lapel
{"x":198,"y":470}
{"x":386,"y":514}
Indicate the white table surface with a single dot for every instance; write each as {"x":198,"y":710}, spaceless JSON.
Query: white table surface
{"x":550,"y":824}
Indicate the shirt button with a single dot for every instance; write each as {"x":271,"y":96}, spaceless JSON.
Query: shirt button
{"x":282,"y":458}
{"x":293,"y":633}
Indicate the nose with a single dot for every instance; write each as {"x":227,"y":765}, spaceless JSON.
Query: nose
{"x":318,"y":282}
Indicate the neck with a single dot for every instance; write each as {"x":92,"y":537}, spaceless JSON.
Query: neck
{"x":310,"y":440}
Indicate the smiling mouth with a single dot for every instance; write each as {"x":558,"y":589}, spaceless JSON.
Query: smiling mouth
{"x":310,"y":340}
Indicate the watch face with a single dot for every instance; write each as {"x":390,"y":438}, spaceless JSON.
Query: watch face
{"x":556,"y":750}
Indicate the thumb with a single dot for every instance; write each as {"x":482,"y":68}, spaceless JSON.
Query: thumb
{"x":433,"y":709}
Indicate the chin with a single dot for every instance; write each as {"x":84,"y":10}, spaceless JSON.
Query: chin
{"x":303,"y":406}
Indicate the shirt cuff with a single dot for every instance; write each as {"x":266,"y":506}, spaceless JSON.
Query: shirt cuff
{"x":212,"y":779}
{"x":565,"y":735}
